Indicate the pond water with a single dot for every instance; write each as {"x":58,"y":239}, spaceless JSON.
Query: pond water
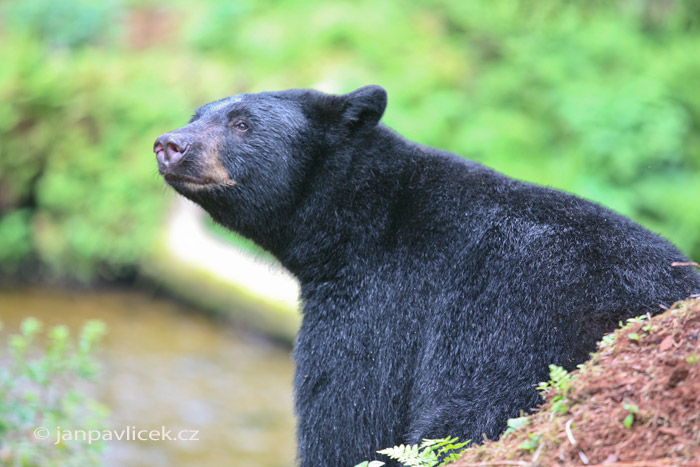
{"x":165,"y":366}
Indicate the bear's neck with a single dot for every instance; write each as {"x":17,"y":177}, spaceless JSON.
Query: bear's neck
{"x":345,"y":210}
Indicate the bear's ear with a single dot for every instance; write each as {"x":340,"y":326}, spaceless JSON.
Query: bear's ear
{"x":364,"y":107}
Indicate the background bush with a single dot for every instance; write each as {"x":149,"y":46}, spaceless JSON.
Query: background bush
{"x":40,"y":390}
{"x":597,"y":98}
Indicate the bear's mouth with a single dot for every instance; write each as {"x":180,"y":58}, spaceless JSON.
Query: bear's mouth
{"x":186,"y":179}
{"x":189,"y":183}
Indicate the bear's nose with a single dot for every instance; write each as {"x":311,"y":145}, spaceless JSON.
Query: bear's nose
{"x":169,"y":149}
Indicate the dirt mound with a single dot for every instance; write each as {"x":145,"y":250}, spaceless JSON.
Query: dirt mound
{"x":635,"y":403}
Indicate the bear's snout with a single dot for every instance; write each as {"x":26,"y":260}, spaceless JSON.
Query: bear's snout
{"x":170,"y":149}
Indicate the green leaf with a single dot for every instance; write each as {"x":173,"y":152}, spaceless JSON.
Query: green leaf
{"x":516,"y":423}
{"x":530,"y":444}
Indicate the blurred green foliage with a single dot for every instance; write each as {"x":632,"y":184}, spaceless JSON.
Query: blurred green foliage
{"x":599,"y":98}
{"x":68,"y":23}
{"x":76,"y":184}
{"x":40,"y":392}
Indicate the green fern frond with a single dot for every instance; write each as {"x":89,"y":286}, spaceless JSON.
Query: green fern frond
{"x":430,"y":453}
{"x":560,"y":377}
{"x":412,"y":455}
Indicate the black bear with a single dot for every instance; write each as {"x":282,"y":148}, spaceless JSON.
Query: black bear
{"x":435,"y":291}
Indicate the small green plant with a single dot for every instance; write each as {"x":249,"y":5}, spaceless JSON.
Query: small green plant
{"x":634,"y":336}
{"x":39,"y":392}
{"x":515,"y":424}
{"x":530,"y":444}
{"x":636,"y":319}
{"x":430,"y":453}
{"x":607,"y":340}
{"x":560,"y":382}
{"x":633,"y":411}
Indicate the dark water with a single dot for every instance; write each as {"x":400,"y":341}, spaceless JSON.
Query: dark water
{"x":162,"y":366}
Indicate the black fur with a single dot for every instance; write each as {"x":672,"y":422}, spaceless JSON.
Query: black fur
{"x":435,"y":291}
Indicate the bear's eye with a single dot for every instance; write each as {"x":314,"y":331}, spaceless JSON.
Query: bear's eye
{"x":241,"y":126}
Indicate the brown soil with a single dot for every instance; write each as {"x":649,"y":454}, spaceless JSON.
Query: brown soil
{"x":653,"y":365}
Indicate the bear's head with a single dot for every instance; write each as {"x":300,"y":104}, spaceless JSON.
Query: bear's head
{"x":245,"y":158}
